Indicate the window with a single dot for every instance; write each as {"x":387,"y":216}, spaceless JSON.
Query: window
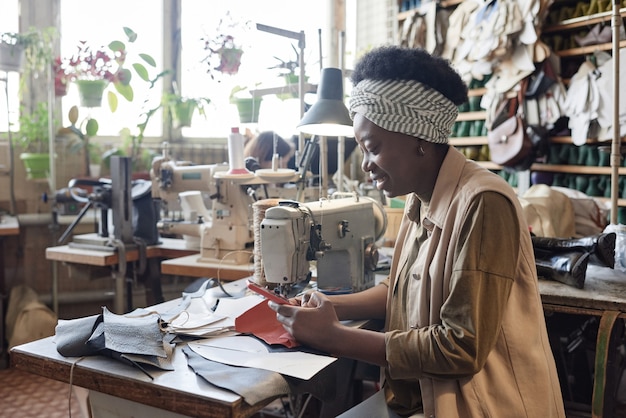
{"x":80,"y":22}
{"x":9,"y":82}
{"x":262,"y":52}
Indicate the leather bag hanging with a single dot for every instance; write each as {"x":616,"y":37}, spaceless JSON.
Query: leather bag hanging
{"x":509,"y":144}
{"x":541,"y":80}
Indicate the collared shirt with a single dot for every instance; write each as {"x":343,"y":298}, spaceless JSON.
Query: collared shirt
{"x":465,"y":332}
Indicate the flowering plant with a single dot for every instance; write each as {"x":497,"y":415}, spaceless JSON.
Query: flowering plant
{"x":96,"y":64}
{"x":106,"y":63}
{"x":223,"y":53}
{"x":61,"y":77}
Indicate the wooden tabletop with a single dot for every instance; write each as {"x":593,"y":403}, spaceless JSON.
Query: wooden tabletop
{"x":604,"y":290}
{"x":192,"y":266}
{"x":168,"y":248}
{"x":180,"y":391}
{"x":9,"y":225}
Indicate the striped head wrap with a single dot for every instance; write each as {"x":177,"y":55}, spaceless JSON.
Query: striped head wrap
{"x":405,"y":106}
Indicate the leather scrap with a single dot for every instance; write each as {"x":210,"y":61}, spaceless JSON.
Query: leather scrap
{"x":266,"y":385}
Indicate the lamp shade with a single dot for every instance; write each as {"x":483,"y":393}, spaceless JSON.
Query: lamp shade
{"x":328,"y":116}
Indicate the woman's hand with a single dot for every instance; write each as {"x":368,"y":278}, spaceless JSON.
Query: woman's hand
{"x":313,"y":323}
{"x":301,"y":299}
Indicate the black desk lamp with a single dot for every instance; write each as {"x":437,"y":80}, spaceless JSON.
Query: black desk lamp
{"x":328,"y":117}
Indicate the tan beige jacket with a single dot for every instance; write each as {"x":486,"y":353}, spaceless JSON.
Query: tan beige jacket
{"x":465,"y":331}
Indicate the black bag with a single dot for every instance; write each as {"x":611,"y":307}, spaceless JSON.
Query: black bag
{"x":540,"y":81}
{"x":145,"y":214}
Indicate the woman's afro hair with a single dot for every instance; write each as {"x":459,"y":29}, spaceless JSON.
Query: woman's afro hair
{"x":401,"y":63}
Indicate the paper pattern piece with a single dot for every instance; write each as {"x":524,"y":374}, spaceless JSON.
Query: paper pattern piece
{"x":246,"y":351}
{"x":197,"y":318}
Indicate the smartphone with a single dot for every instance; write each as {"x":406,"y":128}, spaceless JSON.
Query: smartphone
{"x":274,"y":297}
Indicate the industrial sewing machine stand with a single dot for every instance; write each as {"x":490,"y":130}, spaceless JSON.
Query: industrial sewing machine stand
{"x":116,"y":194}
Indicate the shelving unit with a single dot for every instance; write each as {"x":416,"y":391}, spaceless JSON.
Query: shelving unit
{"x":571,"y":57}
{"x":560,"y":144}
{"x":403,"y":15}
{"x":575,"y":56}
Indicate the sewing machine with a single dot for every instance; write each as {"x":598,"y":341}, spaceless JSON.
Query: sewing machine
{"x":133,"y":214}
{"x":338,"y":234}
{"x":216,"y":205}
{"x":170,"y":178}
{"x":225,"y":229}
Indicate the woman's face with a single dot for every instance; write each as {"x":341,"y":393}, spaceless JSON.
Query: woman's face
{"x":393,"y":160}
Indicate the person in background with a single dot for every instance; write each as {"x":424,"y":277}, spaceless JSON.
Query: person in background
{"x":261,"y":148}
{"x":465,"y":334}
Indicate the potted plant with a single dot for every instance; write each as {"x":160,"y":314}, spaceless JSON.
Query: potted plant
{"x":182,"y":109}
{"x":12,"y":47}
{"x":33,"y":140}
{"x":132,"y":140}
{"x":223,"y":52}
{"x":84,"y":131}
{"x":94,"y":69}
{"x":33,"y":47}
{"x":248,"y":105}
{"x":29,"y":52}
{"x":290,"y":72}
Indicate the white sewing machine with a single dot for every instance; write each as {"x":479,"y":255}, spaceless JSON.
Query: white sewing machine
{"x":339,"y":234}
{"x":223,"y":231}
{"x":227,"y":231}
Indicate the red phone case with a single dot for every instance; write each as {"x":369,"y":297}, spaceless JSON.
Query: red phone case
{"x":274,"y":297}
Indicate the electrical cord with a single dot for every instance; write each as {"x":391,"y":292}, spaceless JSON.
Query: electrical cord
{"x":69,"y":397}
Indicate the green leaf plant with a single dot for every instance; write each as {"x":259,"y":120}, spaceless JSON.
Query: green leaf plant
{"x":108,"y":63}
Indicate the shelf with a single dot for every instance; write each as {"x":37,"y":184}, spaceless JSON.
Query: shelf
{"x":582,"y":21}
{"x":590,"y":49}
{"x":568,"y":140}
{"x":477,"y":92}
{"x":576,"y":169}
{"x":468,"y":141}
{"x":569,"y":169}
{"x":463,"y":116}
{"x":291,"y":88}
{"x":620,"y":202}
{"x":489,"y":165}
{"x":482,"y":140}
{"x":443,"y":4}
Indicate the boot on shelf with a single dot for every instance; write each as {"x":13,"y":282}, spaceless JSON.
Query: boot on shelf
{"x":601,"y":247}
{"x":569,"y":268}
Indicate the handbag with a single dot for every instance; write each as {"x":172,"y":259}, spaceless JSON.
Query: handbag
{"x":508,"y":141}
{"x":541,"y":80}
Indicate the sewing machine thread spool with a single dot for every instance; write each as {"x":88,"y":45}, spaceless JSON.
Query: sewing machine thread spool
{"x":235,"y":153}
{"x":258,"y":213}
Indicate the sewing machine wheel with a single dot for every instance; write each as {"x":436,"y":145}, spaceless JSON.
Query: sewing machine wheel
{"x":380,"y":216}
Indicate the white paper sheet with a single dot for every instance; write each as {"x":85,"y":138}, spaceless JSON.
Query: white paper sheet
{"x":198,"y":319}
{"x":249,"y":352}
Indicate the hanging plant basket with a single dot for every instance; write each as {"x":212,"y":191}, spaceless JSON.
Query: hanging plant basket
{"x":11,"y":57}
{"x":230,"y":60}
{"x":37,"y":165}
{"x":90,"y":92}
